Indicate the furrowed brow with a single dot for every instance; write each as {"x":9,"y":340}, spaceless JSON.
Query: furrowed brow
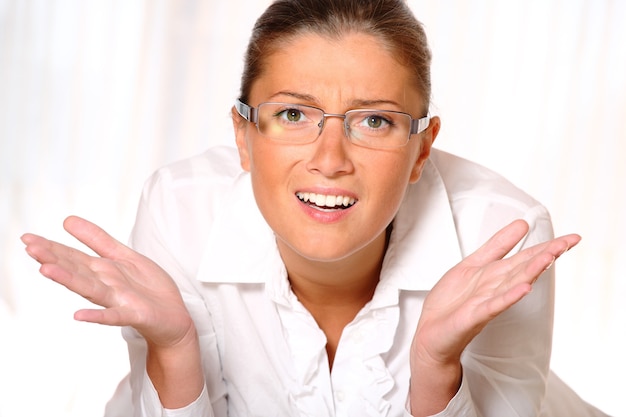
{"x":358,"y":103}
{"x":300,"y":96}
{"x":374,"y":103}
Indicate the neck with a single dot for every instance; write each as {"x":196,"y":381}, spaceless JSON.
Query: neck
{"x":348,"y":281}
{"x":334,"y":292}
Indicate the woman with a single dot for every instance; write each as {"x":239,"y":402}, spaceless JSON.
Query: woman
{"x":330,"y":295}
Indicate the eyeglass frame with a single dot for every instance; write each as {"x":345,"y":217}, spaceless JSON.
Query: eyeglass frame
{"x":251,"y":114}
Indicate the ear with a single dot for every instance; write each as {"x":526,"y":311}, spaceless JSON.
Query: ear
{"x":427,"y":138}
{"x":239,"y":126}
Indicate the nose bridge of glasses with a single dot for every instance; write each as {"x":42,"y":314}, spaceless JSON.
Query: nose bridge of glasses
{"x":346,"y":128}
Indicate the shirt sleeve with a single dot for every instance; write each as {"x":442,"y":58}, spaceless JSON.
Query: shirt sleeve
{"x":505,"y":367}
{"x":507,"y":364}
{"x":460,"y":405}
{"x":196,"y":408}
{"x":148,"y":403}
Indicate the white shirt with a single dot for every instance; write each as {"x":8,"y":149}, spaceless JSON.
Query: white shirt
{"x":263,"y":353}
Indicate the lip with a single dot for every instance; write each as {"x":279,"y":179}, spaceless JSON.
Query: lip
{"x":326,"y":216}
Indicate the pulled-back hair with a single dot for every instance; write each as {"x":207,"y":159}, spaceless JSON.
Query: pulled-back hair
{"x":390,"y":21}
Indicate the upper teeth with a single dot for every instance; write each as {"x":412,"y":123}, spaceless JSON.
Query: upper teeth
{"x":324,"y":200}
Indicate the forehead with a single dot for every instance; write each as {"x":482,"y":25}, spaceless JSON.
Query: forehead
{"x":335,"y":71}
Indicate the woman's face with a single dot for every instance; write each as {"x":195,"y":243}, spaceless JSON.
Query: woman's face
{"x":336,"y":76}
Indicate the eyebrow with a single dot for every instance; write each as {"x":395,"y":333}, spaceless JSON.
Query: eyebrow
{"x":359,"y":103}
{"x":299,"y":96}
{"x":373,"y":103}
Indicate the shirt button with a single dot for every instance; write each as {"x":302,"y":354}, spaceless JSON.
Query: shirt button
{"x":340,"y":396}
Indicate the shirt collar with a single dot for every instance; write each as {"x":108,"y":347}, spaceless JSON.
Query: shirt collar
{"x":424,"y":243}
{"x":241,"y":247}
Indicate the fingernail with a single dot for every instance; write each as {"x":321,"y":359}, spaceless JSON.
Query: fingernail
{"x":551,"y":263}
{"x":563,"y":251}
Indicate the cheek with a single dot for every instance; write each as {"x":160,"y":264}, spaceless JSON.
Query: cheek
{"x":272,"y":168}
{"x":390,"y":181}
{"x":266,"y":160}
{"x":400,"y":170}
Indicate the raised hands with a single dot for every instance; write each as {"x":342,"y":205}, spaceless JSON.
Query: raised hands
{"x":133,"y":290}
{"x":464,"y":300}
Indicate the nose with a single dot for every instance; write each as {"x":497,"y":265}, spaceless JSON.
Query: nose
{"x":331,"y":149}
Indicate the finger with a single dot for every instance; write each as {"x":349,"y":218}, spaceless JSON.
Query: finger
{"x":95,"y":238}
{"x":555,"y":247}
{"x":523,"y":269}
{"x":85,"y":285}
{"x":108,"y":316}
{"x":48,"y":251}
{"x":525,"y":273}
{"x":499,"y":244}
{"x":500,"y":303}
{"x":36,"y":248}
{"x":549,"y":253}
{"x":68,"y":267}
{"x":542,"y":255}
{"x":506,"y":238}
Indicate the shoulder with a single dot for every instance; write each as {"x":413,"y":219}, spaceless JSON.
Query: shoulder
{"x":214,"y":166}
{"x":467,"y":180}
{"x":483,"y":201}
{"x":181,"y":201}
{"x":193,"y":185}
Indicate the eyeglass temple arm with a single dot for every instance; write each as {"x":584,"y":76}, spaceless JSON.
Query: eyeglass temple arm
{"x":419,"y":125}
{"x":247,"y":112}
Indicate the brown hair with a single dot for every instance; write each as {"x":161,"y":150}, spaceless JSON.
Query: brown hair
{"x":391,"y":21}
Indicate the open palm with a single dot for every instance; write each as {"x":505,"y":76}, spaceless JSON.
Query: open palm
{"x":479,"y":288}
{"x":133,"y":290}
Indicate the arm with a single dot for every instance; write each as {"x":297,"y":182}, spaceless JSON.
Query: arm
{"x":472,"y":294}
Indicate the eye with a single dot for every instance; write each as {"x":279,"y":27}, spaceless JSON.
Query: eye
{"x":376,"y":122}
{"x":373,"y":121}
{"x":291,"y":115}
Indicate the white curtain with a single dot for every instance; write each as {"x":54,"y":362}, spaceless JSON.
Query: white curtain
{"x":96,"y":94}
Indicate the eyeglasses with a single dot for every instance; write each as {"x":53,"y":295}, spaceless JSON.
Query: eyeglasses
{"x":300,"y":124}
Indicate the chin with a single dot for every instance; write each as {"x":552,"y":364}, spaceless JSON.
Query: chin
{"x":321,"y":251}
{"x":317,"y":255}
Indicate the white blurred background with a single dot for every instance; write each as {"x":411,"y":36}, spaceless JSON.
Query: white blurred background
{"x":96,"y":94}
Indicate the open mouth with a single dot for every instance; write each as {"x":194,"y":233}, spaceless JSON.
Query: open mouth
{"x":325,"y":201}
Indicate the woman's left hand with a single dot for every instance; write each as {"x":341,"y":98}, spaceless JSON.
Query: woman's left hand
{"x":479,"y":288}
{"x":465,"y":299}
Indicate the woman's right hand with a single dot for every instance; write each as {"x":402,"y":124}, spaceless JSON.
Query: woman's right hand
{"x":133,"y":290}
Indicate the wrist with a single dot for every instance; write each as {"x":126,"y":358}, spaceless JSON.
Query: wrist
{"x":430,"y":348}
{"x":433,"y":386}
{"x":176,"y":371}
{"x":435,"y":379}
